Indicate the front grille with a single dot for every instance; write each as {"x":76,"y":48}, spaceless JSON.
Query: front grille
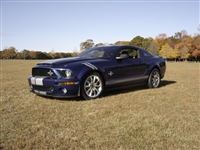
{"x":43,"y":72}
{"x":42,"y":88}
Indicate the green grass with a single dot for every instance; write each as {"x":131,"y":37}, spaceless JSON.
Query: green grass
{"x":136,"y":118}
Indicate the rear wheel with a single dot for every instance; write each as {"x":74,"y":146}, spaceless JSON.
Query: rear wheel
{"x":154,"y":79}
{"x":92,"y":86}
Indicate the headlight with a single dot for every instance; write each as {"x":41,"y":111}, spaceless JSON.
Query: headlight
{"x":66,"y":73}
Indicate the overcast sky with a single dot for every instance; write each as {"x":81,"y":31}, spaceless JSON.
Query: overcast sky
{"x":62,"y":25}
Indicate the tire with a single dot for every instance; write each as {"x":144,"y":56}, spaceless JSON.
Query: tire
{"x":154,"y":79}
{"x":92,"y":86}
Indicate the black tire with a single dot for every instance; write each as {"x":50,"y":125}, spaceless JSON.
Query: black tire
{"x":92,"y":86}
{"x":154,"y":79}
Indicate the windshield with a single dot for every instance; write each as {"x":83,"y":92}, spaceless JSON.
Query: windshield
{"x":98,"y":52}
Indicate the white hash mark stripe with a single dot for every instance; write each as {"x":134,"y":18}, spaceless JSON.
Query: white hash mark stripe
{"x":91,"y":66}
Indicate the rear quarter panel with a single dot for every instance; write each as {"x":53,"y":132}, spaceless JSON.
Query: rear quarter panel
{"x":155,"y":62}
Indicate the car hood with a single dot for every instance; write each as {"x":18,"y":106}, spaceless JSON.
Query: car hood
{"x":64,"y":62}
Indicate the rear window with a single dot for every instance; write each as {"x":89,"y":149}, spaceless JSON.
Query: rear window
{"x":147,"y":54}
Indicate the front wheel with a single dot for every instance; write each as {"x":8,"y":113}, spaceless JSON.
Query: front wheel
{"x":154,"y":79}
{"x":92,"y":86}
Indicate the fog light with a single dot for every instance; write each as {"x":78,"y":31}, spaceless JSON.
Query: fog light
{"x":64,"y":90}
{"x":51,"y":89}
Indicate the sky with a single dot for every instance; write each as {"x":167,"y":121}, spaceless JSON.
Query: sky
{"x":60,"y":26}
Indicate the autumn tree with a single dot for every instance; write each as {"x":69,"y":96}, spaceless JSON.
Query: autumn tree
{"x":165,"y":51}
{"x":161,"y":40}
{"x":174,"y":53}
{"x":187,"y":42}
{"x":1,"y":54}
{"x":196,"y":46}
{"x":87,"y":44}
{"x":121,"y":43}
{"x":9,"y":53}
{"x":184,"y":53}
{"x":19,"y":55}
{"x":196,"y":53}
{"x":32,"y":54}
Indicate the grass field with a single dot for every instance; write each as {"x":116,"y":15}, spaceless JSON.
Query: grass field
{"x":136,"y":118}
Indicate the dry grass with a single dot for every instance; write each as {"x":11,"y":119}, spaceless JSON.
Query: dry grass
{"x":163,"y":118}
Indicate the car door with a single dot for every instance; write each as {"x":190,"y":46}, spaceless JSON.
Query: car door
{"x":126,"y":69}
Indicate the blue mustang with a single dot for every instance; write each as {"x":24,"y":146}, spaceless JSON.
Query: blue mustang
{"x":96,"y":70}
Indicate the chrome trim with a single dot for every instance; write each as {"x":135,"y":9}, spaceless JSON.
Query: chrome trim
{"x":126,"y":80}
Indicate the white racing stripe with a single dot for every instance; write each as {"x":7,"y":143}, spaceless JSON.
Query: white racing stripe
{"x":91,"y":66}
{"x":33,"y":80}
{"x":37,"y":80}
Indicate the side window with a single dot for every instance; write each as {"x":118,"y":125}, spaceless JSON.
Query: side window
{"x":146,"y":54}
{"x":133,"y":53}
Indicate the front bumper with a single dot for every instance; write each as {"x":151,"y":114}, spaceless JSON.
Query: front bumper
{"x":50,"y":87}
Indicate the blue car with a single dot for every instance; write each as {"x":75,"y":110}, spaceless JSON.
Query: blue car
{"x":95,"y":70}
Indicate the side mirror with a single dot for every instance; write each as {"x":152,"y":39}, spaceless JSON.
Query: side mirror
{"x":123,"y":56}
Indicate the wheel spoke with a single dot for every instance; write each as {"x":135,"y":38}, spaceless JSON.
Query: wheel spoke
{"x":155,"y":79}
{"x":93,"y":86}
{"x":88,"y":91}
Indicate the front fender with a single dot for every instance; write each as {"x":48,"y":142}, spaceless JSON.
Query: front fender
{"x":86,"y":68}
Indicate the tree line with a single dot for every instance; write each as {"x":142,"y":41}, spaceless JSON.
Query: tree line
{"x":13,"y":53}
{"x":180,"y":46}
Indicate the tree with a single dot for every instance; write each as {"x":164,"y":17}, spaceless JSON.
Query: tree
{"x":87,"y":44}
{"x":171,"y":41}
{"x":187,"y":42}
{"x":146,"y":43}
{"x":137,"y":41}
{"x":41,"y":55}
{"x":153,"y":48}
{"x":19,"y":55}
{"x":1,"y":54}
{"x":52,"y":54}
{"x":196,"y":53}
{"x":32,"y":54}
{"x":165,"y":51}
{"x":180,"y":35}
{"x":184,"y":53}
{"x":174,"y":53}
{"x":196,"y":45}
{"x":121,"y":43}
{"x":161,"y":40}
{"x":25,"y":54}
{"x":99,"y":44}
{"x":9,"y":53}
